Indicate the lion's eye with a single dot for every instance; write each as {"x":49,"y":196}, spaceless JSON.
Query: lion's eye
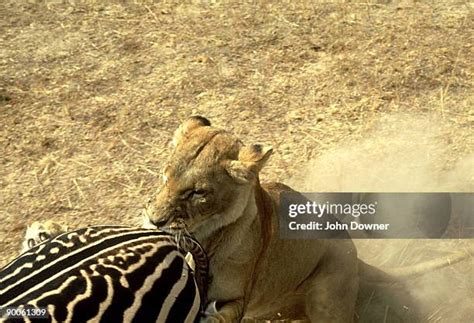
{"x":193,"y":194}
{"x":198,"y":192}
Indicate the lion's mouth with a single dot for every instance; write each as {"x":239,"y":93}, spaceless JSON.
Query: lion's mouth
{"x":176,"y":227}
{"x":178,"y":224}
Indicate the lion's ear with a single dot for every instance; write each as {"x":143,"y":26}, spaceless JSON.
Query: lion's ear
{"x":185,"y":128}
{"x":250,"y":163}
{"x":255,"y":156}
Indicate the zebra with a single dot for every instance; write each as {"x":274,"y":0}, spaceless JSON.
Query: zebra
{"x":108,"y":274}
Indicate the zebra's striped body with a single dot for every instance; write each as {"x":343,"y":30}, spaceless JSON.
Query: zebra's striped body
{"x":109,"y":274}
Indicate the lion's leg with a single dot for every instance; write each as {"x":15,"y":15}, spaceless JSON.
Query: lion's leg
{"x":38,"y":232}
{"x":230,"y":312}
{"x":332,"y":292}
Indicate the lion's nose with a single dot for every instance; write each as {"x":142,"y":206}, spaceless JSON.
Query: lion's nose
{"x":160,"y":222}
{"x":167,"y":218}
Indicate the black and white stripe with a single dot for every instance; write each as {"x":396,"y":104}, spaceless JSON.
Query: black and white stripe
{"x":109,"y":274}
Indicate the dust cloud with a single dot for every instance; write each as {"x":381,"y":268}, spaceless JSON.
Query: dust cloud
{"x":406,"y":153}
{"x":401,"y":153}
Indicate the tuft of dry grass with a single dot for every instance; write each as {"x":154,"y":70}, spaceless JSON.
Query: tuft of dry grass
{"x":90,"y":92}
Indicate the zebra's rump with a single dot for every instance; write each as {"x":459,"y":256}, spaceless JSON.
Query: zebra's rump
{"x":104,"y":274}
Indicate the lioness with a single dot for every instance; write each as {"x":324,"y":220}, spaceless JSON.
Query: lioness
{"x":212,"y":184}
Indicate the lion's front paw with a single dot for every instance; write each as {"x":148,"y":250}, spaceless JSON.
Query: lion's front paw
{"x":211,"y":314}
{"x":38,"y":232}
{"x":230,"y":312}
{"x":210,"y":319}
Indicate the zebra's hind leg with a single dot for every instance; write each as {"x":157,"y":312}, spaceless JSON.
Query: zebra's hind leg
{"x":38,"y":232}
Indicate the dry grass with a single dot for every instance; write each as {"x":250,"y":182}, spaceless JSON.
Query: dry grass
{"x":90,"y":93}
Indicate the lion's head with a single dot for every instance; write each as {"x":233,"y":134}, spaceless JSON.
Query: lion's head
{"x":208,"y":179}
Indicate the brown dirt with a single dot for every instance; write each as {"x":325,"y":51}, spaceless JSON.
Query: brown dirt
{"x":91,"y":93}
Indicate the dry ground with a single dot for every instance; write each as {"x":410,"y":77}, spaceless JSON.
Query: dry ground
{"x":90,"y":94}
